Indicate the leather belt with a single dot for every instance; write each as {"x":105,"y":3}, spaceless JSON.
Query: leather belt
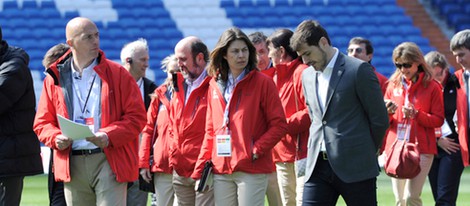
{"x":87,"y":151}
{"x":323,"y":155}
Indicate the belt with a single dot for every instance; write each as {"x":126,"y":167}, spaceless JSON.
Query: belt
{"x":323,"y":155}
{"x":87,"y":151}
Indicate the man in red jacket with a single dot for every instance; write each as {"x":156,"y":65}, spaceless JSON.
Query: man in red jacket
{"x":85,"y":87}
{"x":188,"y":117}
{"x":362,"y":49}
{"x":460,"y":47}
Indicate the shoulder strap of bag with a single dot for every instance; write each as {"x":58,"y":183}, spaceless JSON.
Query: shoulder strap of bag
{"x":297,"y":146}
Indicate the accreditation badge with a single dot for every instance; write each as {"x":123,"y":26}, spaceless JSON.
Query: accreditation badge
{"x":90,"y":123}
{"x":403,"y":131}
{"x":224,"y":143}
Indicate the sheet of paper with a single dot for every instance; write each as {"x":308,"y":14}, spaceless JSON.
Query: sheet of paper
{"x":73,"y":130}
{"x":445,"y":129}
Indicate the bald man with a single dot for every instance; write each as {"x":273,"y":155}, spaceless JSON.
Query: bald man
{"x":188,"y":117}
{"x":86,"y":88}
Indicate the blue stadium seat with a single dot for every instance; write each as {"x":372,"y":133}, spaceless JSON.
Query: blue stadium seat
{"x":282,"y":3}
{"x":30,"y":5}
{"x":7,"y":5}
{"x":48,"y":5}
{"x":245,"y":3}
{"x":227,"y":3}
{"x":299,"y":3}
{"x":50,"y":13}
{"x":262,"y":3}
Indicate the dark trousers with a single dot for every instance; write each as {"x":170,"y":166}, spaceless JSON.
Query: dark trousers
{"x":324,"y":187}
{"x":56,"y":189}
{"x":10,"y":190}
{"x":444,"y":177}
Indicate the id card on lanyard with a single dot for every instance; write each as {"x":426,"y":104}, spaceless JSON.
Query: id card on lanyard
{"x":224,"y":143}
{"x":85,"y":118}
{"x":87,"y":121}
{"x":403,"y":128}
{"x":223,"y":138}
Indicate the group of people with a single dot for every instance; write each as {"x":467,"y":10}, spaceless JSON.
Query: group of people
{"x":287,"y":116}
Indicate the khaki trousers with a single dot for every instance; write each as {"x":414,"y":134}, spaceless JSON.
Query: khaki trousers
{"x":408,"y":191}
{"x":164,"y":188}
{"x":240,"y":188}
{"x":291,"y":186}
{"x":93,"y":182}
{"x":186,"y":193}
{"x":273,"y":193}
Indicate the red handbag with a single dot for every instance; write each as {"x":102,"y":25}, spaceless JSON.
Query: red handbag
{"x":402,"y":158}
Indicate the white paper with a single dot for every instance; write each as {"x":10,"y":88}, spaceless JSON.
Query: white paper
{"x":73,"y":130}
{"x":445,"y":129}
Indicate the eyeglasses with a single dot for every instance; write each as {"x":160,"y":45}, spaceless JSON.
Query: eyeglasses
{"x":358,"y":50}
{"x":404,"y":65}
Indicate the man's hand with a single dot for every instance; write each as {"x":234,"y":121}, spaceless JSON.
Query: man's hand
{"x":100,"y":139}
{"x":448,"y":145}
{"x":146,"y":175}
{"x":62,"y":142}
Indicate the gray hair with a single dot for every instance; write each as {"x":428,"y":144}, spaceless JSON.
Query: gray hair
{"x":129,"y":48}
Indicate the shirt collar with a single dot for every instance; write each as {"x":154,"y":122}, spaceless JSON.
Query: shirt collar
{"x":232,"y":81}
{"x":198,"y":80}
{"x":87,"y":69}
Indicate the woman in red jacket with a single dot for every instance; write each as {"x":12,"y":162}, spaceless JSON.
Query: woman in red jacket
{"x":156,"y":138}
{"x":416,"y":103}
{"x":244,"y":121}
{"x":286,"y":72}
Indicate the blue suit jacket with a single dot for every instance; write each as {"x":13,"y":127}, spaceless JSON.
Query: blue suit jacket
{"x":353,"y":123}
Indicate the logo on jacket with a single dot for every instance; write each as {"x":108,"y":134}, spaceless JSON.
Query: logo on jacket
{"x":214,"y":94}
{"x":397,"y":92}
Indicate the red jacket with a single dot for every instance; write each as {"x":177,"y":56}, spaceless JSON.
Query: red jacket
{"x":256,"y":122}
{"x":430,"y":105}
{"x":188,"y":123}
{"x":161,"y":138}
{"x":382,"y":80}
{"x":288,"y":79}
{"x":462,"y":117}
{"x":122,"y":116}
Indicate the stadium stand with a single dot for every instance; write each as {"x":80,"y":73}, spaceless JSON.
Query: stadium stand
{"x":36,"y":25}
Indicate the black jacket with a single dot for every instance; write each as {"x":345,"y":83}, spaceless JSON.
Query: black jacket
{"x":149,"y":88}
{"x":19,"y":145}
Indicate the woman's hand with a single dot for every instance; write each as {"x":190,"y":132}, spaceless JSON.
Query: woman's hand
{"x":409,"y":111}
{"x":391,"y":106}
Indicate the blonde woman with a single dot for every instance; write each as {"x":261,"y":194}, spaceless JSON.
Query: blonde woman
{"x":416,"y":103}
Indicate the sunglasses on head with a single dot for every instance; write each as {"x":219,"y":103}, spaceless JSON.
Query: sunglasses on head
{"x":404,"y":65}
{"x":358,"y":50}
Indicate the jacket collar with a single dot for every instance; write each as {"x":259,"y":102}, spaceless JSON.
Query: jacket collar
{"x":55,"y":69}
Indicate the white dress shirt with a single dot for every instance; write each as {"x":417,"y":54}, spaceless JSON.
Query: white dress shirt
{"x":86,"y":103}
{"x":323,"y":79}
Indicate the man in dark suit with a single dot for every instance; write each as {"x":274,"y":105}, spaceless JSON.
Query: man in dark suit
{"x":349,"y":120}
{"x":135,"y":59}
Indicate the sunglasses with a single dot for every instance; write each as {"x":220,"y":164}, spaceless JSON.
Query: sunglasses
{"x":404,"y":65}
{"x":358,"y":50}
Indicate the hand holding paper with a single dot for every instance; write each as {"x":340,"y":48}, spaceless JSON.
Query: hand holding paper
{"x":73,"y":130}
{"x":62,"y":142}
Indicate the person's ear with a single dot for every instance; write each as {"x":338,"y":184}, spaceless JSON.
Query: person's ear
{"x":323,"y":42}
{"x":200,"y":58}
{"x":283,"y":51}
{"x":69,"y":42}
